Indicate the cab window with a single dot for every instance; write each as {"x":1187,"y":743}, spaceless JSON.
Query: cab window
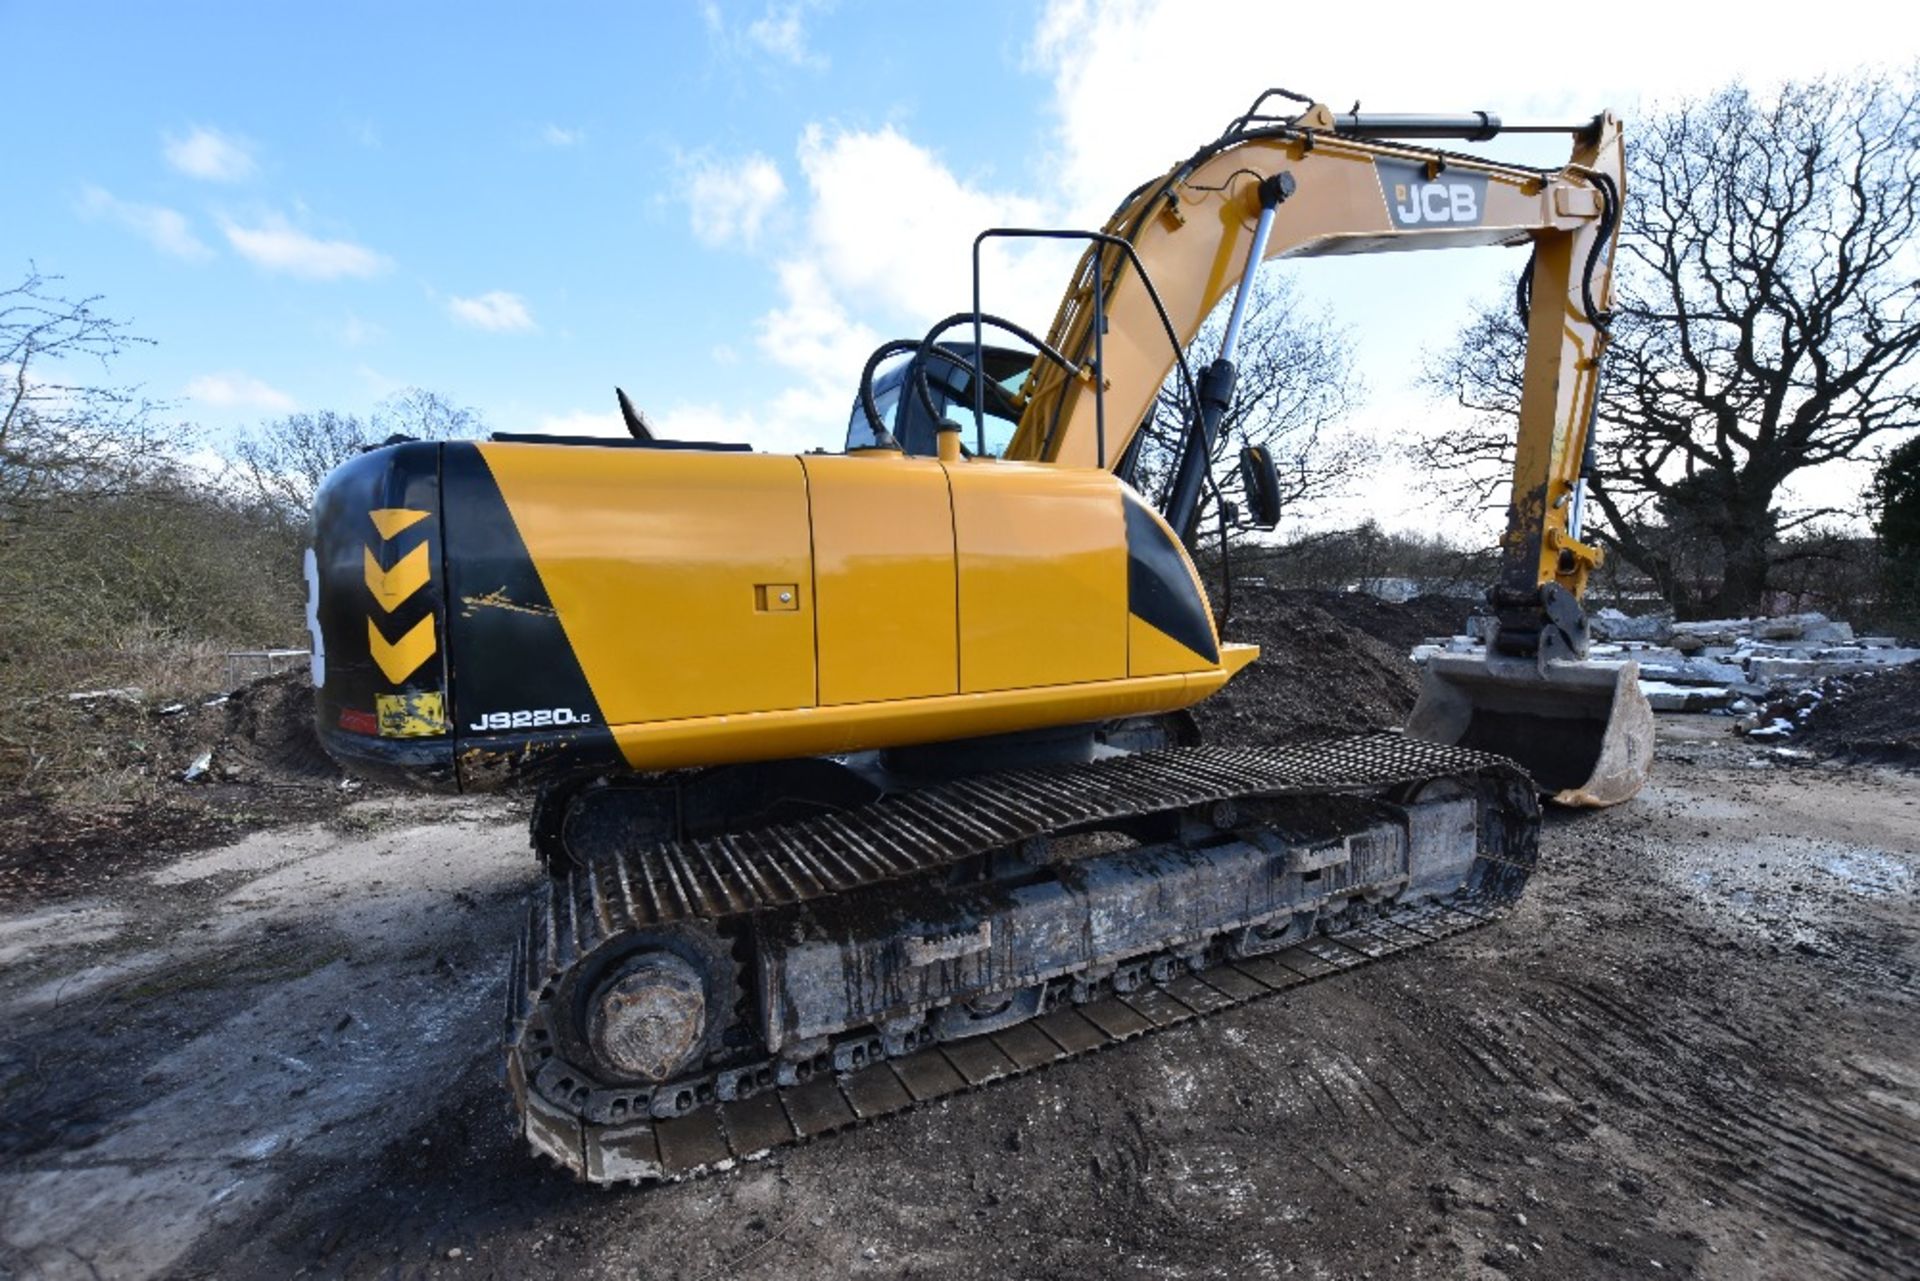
{"x":951,"y":385}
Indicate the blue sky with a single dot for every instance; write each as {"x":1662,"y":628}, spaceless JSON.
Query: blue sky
{"x":721,"y":207}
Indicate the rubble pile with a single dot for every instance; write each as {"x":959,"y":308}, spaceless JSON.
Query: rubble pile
{"x":1869,"y":716}
{"x":1766,"y":669}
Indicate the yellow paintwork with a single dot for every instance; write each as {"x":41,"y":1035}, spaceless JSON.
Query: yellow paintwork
{"x":401,"y":658}
{"x":392,"y":587}
{"x":728,"y":607}
{"x":1561,"y":380}
{"x":1151,"y":652}
{"x":883,"y":577}
{"x":1042,"y":555}
{"x":722,"y":740}
{"x":942,"y":601}
{"x":655,"y":561}
{"x":391,"y":520}
{"x":418,"y":714}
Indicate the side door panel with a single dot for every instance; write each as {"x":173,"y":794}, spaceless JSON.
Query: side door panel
{"x":1042,"y":558}
{"x":884,"y":577}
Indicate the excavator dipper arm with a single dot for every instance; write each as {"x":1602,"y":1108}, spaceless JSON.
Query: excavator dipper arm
{"x":1321,"y":184}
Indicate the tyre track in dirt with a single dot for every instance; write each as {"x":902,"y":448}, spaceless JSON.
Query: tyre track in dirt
{"x":1630,"y":1069}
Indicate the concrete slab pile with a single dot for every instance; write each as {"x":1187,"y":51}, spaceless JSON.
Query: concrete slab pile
{"x":1767,"y":669}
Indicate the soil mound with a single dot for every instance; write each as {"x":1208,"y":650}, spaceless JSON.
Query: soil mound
{"x":269,"y":734}
{"x":1873,"y":717}
{"x":1330,"y":664}
{"x":163,"y":777}
{"x":1401,"y":625}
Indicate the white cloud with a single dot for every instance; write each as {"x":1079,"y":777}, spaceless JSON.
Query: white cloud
{"x":813,"y":331}
{"x":555,"y":136}
{"x":238,"y":391}
{"x":812,"y":336}
{"x":496,"y":311}
{"x":583,"y":422}
{"x":379,"y":385}
{"x":210,"y":154}
{"x":847,"y":263}
{"x":1109,"y":136}
{"x":913,"y":257}
{"x":710,"y":422}
{"x":781,"y":31}
{"x":165,"y":229}
{"x":276,"y":245}
{"x":729,"y":202}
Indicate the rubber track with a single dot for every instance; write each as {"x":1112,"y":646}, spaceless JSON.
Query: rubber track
{"x":617,"y":891}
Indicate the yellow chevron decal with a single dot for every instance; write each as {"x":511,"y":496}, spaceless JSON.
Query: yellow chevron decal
{"x":403,"y":657}
{"x":391,"y":520}
{"x":392,"y":586}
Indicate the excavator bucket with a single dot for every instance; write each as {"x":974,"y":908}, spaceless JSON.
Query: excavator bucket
{"x":1583,"y":730}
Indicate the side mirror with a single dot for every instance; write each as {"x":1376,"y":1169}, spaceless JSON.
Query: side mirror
{"x":1262,"y":484}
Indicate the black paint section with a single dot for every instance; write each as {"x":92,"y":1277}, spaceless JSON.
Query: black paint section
{"x":1160,"y":588}
{"x":408,"y":476}
{"x":507,"y":651}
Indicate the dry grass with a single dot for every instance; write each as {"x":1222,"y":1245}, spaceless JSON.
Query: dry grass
{"x":114,"y":746}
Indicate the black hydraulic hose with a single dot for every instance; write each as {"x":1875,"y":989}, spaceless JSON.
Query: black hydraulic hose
{"x":868,"y":404}
{"x":1252,"y":114}
{"x":895,"y":347}
{"x":978,"y":366}
{"x":1609,"y":217}
{"x":1523,"y":290}
{"x":1226,"y":560}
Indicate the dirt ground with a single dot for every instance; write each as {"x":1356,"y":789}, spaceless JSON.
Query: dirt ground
{"x":1694,"y":1050}
{"x":164,"y":778}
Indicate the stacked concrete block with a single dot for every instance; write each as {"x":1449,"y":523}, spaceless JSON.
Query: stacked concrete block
{"x":1736,"y":665}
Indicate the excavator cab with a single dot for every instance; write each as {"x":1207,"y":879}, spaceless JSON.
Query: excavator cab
{"x":950,"y":371}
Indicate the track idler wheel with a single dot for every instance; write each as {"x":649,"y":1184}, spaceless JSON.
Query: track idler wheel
{"x":647,"y":1020}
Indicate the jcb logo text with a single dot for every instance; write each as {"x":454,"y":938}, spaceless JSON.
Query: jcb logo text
{"x":1420,"y":202}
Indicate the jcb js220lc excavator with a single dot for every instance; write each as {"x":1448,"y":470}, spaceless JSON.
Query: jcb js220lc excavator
{"x":867,"y":777}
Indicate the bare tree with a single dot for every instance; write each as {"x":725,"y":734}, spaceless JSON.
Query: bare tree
{"x":63,"y":439}
{"x":1296,"y":381}
{"x":280,"y":463}
{"x":1766,"y":319}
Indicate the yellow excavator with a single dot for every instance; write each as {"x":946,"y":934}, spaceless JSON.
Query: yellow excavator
{"x":866,"y":777}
